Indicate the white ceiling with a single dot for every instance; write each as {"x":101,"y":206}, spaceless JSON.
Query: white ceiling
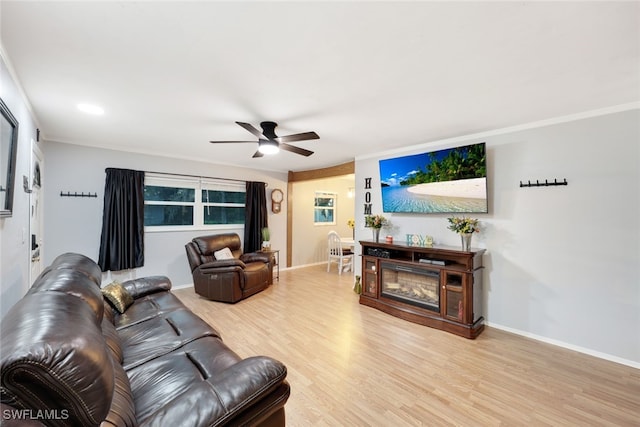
{"x":366,"y":76}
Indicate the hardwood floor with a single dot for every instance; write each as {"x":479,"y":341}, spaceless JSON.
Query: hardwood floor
{"x":351,"y":365}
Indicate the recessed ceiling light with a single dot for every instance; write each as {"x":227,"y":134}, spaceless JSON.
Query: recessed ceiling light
{"x":91,"y":109}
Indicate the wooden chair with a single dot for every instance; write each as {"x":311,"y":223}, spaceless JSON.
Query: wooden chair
{"x":336,"y":253}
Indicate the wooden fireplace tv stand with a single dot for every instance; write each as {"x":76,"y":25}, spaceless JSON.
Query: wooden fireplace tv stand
{"x":440,"y":287}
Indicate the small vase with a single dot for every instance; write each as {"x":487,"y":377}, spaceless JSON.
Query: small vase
{"x":357,"y":286}
{"x":466,"y":241}
{"x":376,"y":234}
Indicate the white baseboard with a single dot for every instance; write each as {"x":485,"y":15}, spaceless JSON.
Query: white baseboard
{"x":563,"y":344}
{"x":302,"y":266}
{"x":184,"y":286}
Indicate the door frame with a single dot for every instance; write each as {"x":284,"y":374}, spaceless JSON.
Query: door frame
{"x":36,"y":211}
{"x":330,"y":172}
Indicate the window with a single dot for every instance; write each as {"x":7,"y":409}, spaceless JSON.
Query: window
{"x":223,"y":204}
{"x":175,"y":203}
{"x":168,"y":205}
{"x":324,"y":208}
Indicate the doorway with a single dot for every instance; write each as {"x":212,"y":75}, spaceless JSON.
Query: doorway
{"x":305,"y":238}
{"x":36,"y":228}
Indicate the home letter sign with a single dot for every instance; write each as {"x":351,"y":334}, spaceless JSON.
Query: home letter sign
{"x":367,"y":196}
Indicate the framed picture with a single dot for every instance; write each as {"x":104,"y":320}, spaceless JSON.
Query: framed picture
{"x":8,"y":152}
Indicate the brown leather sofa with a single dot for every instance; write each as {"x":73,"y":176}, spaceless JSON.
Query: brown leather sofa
{"x":69,"y":358}
{"x":227,"y":280}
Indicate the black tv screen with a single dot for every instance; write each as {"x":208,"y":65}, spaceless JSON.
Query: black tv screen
{"x":453,"y":180}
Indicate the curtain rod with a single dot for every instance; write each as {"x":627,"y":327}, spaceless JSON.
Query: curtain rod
{"x":199,"y":176}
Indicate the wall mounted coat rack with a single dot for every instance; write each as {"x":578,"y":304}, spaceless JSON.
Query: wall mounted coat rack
{"x":76,"y":194}
{"x":546,"y":183}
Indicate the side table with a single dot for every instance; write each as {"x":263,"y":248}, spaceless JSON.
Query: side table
{"x":275,"y":253}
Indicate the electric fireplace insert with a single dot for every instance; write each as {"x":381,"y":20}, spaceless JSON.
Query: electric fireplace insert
{"x":411,"y":285}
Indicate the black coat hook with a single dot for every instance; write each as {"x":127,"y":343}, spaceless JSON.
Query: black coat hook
{"x":546,"y":183}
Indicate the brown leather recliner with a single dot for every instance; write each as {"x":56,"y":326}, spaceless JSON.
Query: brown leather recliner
{"x":227,"y":280}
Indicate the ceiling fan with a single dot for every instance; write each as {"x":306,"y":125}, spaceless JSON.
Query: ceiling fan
{"x":270,"y":143}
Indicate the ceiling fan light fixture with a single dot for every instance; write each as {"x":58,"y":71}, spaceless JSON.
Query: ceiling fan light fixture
{"x":268,"y":147}
{"x":270,"y":143}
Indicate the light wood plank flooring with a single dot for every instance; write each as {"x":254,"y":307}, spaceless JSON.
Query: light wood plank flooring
{"x":351,"y":365}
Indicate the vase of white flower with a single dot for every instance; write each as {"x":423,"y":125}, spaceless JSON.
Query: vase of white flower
{"x":465,"y":227}
{"x":376,"y":222}
{"x":466,"y":241}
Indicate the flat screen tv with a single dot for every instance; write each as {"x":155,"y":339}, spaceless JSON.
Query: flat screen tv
{"x":453,"y":180}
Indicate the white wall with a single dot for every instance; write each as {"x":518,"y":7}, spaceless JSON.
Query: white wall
{"x":74,"y":224}
{"x":310,"y":241}
{"x":14,"y":230}
{"x":562,"y":263}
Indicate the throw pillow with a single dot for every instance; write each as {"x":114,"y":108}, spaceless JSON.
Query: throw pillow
{"x":118,"y":296}
{"x":223,"y":254}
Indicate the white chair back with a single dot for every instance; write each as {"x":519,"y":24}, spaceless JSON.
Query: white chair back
{"x":337,"y":254}
{"x":335,"y":244}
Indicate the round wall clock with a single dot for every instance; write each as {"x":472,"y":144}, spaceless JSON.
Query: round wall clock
{"x":276,"y":200}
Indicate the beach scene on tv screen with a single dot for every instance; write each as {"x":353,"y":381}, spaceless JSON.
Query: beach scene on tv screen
{"x":444,"y":181}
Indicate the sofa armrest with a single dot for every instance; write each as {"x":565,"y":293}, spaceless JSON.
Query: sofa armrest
{"x":256,"y":256}
{"x":218,"y":400}
{"x":147,"y":285}
{"x":223,"y":263}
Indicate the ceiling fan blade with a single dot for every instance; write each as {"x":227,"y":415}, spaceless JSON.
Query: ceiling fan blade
{"x":298,"y":137}
{"x":232,"y":142}
{"x":296,"y":150}
{"x":251,"y":129}
{"x":257,"y":154}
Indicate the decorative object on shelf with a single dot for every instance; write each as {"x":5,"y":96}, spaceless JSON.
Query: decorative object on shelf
{"x":465,"y":227}
{"x":428,"y":241}
{"x":357,"y":286}
{"x":419,"y":240}
{"x":352,"y":225}
{"x":388,"y":240}
{"x":266,"y":239}
{"x":375,"y":222}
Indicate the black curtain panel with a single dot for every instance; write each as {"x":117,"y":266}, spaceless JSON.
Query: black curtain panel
{"x":122,"y":241}
{"x":255,"y":215}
